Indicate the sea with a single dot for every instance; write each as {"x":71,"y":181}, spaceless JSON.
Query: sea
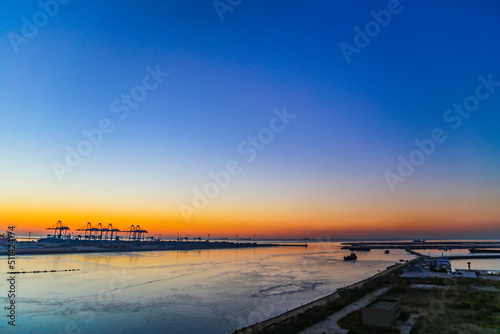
{"x":196,"y":291}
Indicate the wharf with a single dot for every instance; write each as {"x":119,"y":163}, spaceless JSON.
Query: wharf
{"x":440,"y":245}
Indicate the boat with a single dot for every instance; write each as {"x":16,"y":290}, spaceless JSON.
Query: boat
{"x":387,"y":251}
{"x":350,"y":257}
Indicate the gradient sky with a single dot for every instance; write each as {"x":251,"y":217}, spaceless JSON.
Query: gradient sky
{"x":322,"y":175}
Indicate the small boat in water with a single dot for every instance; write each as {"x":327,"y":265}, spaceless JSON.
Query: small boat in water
{"x":350,"y":257}
{"x":387,"y":251}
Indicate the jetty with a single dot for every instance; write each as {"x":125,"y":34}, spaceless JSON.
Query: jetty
{"x":483,"y":246}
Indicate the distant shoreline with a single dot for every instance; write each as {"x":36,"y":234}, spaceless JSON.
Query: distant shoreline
{"x":77,"y":247}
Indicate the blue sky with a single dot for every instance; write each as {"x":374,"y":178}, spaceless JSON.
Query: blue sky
{"x":353,"y":120}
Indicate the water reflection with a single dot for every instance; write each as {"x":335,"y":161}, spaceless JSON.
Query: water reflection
{"x":207,"y":291}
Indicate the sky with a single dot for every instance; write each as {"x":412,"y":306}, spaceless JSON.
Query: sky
{"x":340,"y":119}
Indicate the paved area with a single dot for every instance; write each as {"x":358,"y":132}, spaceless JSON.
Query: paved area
{"x":406,"y":326}
{"x":425,"y":273}
{"x":330,"y":326}
{"x":429,"y":286}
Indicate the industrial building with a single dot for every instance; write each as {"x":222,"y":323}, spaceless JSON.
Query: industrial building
{"x":381,"y":312}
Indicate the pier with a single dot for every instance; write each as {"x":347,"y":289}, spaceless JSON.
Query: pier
{"x":423,"y":244}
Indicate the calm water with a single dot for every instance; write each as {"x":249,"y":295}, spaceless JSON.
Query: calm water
{"x":210,"y":291}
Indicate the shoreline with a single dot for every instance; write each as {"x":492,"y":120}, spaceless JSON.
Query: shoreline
{"x":72,"y":247}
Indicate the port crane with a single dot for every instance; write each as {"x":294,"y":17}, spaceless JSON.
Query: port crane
{"x":135,"y":233}
{"x":106,"y":232}
{"x":109,"y":231}
{"x":88,"y":231}
{"x":99,"y":233}
{"x":59,"y":230}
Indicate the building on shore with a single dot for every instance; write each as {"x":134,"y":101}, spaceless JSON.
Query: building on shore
{"x":381,"y":312}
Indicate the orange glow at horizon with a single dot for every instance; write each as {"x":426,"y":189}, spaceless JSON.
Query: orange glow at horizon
{"x":305,"y":221}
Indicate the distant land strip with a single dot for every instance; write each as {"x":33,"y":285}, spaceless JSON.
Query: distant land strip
{"x":72,"y":246}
